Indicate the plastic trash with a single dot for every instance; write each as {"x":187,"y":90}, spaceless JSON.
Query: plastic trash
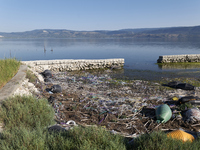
{"x":51,"y":99}
{"x":50,"y":92}
{"x":48,"y":79}
{"x":193,"y":114}
{"x":56,"y":128}
{"x":56,"y":89}
{"x":47,"y":73}
{"x":175,"y":98}
{"x":173,"y":84}
{"x":71,"y":122}
{"x":186,"y":99}
{"x":182,"y":135}
{"x":185,"y":86}
{"x":178,"y":85}
{"x":163,"y":113}
{"x":197,"y":102}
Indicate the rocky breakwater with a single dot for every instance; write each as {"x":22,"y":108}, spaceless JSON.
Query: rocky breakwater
{"x":75,"y":64}
{"x":179,"y":58}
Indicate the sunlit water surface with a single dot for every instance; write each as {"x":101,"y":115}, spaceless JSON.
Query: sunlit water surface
{"x":140,"y":55}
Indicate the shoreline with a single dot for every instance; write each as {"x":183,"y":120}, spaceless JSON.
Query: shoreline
{"x":111,"y":103}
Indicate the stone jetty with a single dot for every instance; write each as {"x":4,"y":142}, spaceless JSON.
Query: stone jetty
{"x":179,"y":58}
{"x":76,"y":64}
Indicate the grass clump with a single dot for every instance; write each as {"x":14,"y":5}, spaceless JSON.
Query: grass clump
{"x":160,"y":141}
{"x":26,"y":111}
{"x":8,"y":68}
{"x":23,"y":138}
{"x":78,"y":138}
{"x":86,"y":138}
{"x":26,"y":119}
{"x":26,"y":122}
{"x":96,"y":138}
{"x":26,"y":127}
{"x":29,"y":75}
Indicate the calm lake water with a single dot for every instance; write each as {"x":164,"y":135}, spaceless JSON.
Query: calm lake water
{"x":140,"y":55}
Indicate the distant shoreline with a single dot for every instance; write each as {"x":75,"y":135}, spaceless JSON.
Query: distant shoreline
{"x":163,"y":33}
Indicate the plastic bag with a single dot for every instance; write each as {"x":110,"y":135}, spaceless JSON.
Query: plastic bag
{"x":186,"y":99}
{"x":193,"y":114}
{"x":56,"y":128}
{"x":178,"y":85}
{"x":56,"y":89}
{"x":185,"y":86}
{"x":47,"y":73}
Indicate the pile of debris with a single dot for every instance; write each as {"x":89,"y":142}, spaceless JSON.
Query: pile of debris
{"x":130,"y":108}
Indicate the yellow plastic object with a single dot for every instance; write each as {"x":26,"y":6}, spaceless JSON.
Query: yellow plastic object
{"x":181,"y":135}
{"x":175,"y":98}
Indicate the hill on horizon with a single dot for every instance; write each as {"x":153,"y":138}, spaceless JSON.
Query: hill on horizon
{"x":168,"y":32}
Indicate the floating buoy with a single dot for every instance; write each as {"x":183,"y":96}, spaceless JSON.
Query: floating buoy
{"x":163,"y":113}
{"x":182,"y":135}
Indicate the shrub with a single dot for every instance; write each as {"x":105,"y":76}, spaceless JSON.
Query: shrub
{"x":8,"y":68}
{"x":26,"y":111}
{"x":89,"y":138}
{"x":160,"y":141}
{"x":22,"y":138}
{"x":29,"y":75}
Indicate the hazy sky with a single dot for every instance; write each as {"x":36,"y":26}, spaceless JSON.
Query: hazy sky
{"x":26,"y":15}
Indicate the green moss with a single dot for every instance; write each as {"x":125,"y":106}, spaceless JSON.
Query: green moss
{"x":179,"y":65}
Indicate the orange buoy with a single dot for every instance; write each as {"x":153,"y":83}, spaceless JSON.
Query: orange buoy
{"x":181,"y":135}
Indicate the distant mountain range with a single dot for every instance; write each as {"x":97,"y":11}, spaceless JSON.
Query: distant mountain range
{"x":172,"y":32}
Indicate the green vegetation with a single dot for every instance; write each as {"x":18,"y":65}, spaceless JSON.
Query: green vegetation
{"x":185,"y":106}
{"x":179,"y":65}
{"x":8,"y":68}
{"x":29,"y":75}
{"x":27,"y":119}
{"x":26,"y":111}
{"x":160,"y":141}
{"x":95,"y":138}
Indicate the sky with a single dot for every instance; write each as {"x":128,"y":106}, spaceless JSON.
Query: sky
{"x":90,"y":15}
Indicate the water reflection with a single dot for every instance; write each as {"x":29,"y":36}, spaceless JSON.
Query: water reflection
{"x":140,"y":54}
{"x":171,"y":66}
